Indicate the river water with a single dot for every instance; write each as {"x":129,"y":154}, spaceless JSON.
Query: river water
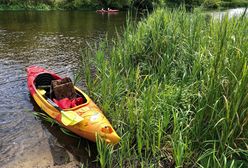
{"x":236,"y":12}
{"x":53,"y":40}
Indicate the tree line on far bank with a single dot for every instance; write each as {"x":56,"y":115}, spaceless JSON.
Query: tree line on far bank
{"x":120,"y":4}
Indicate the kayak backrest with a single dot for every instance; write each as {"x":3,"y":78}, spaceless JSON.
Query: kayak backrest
{"x":43,"y":79}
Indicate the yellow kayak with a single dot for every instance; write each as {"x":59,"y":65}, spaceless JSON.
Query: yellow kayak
{"x":84,"y":119}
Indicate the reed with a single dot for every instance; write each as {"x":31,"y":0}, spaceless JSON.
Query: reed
{"x":105,"y":153}
{"x":175,"y":87}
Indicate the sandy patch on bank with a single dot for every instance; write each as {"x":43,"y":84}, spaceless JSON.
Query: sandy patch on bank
{"x":39,"y":157}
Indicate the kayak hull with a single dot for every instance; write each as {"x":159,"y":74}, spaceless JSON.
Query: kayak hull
{"x":94,"y":122}
{"x":107,"y":11}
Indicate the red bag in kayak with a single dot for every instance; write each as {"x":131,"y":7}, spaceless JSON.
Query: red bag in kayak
{"x":63,"y":103}
{"x":67,"y":103}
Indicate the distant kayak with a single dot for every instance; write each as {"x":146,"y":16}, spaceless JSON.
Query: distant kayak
{"x":107,"y":11}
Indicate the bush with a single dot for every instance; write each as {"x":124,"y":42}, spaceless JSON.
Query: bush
{"x":234,"y":3}
{"x":212,"y":3}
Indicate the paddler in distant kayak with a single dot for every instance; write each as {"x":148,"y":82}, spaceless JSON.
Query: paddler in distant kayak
{"x":112,"y":10}
{"x":101,"y":11}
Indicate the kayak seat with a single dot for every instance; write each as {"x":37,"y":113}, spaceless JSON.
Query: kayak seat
{"x":43,"y":81}
{"x":63,"y":88}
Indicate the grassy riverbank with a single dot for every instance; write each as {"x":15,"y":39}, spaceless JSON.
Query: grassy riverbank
{"x":235,"y":3}
{"x":176,"y":89}
{"x":40,"y":6}
{"x":211,"y":3}
{"x":46,"y":7}
{"x":60,"y":5}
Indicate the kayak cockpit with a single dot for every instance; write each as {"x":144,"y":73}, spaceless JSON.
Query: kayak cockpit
{"x":43,"y":81}
{"x":60,"y":91}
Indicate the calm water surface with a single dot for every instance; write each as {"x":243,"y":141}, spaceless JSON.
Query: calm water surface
{"x":53,"y":40}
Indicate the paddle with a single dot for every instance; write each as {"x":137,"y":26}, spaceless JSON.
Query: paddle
{"x":67,"y":117}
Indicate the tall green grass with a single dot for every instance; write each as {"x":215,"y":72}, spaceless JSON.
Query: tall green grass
{"x":176,"y":88}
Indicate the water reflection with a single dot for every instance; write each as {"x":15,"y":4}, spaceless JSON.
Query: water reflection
{"x":67,"y":22}
{"x":230,"y":13}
